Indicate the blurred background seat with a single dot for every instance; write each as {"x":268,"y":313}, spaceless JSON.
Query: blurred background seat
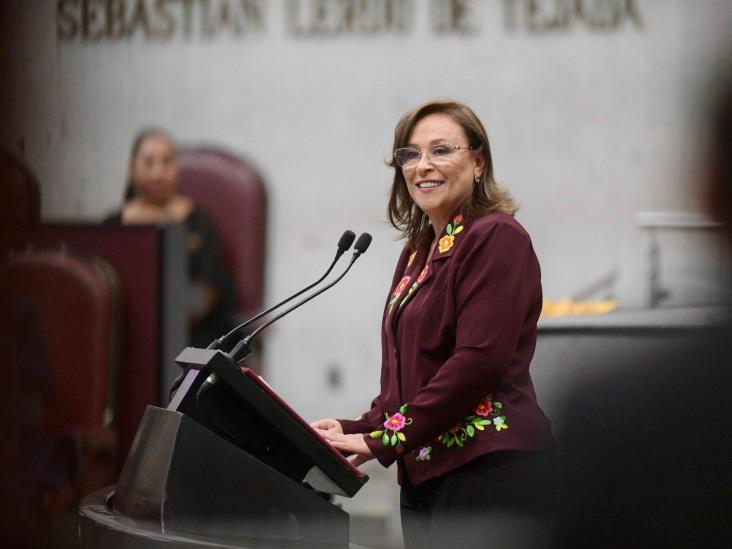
{"x":233,"y":195}
{"x":76,"y":302}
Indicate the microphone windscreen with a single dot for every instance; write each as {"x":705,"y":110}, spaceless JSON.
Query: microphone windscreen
{"x":346,"y":240}
{"x":362,"y":243}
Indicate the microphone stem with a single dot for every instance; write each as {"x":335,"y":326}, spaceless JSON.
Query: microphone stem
{"x":256,"y":317}
{"x":250,"y":337}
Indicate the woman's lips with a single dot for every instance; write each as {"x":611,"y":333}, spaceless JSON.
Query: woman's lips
{"x":429,"y":185}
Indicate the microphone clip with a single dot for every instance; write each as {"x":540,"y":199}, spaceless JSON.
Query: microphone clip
{"x":241,"y":350}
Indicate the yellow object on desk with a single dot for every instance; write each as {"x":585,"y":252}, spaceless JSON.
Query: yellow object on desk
{"x":568,"y":307}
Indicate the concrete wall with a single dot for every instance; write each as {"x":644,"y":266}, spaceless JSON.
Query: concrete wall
{"x":592,"y":111}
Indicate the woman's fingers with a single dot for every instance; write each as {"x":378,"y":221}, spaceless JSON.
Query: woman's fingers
{"x":354,"y":446}
{"x":327,"y":424}
{"x":349,"y":444}
{"x":356,"y":460}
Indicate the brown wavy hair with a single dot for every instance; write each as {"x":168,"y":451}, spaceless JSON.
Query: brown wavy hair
{"x":487,"y":196}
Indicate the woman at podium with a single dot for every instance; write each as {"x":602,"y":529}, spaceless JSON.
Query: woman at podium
{"x":457,"y":409}
{"x":152,"y":198}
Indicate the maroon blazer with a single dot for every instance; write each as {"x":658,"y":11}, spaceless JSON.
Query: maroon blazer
{"x":458,"y":335}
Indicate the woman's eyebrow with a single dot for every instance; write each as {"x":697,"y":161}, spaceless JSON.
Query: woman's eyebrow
{"x":438,"y":140}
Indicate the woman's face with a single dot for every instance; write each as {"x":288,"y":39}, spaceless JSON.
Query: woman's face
{"x":438,"y":188}
{"x":154,"y":170}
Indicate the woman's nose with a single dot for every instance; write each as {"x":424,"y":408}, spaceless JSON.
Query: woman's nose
{"x":157,"y":171}
{"x":424,"y":164}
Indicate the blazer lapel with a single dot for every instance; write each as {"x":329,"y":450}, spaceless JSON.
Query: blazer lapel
{"x":400,"y":290}
{"x":418,"y":279}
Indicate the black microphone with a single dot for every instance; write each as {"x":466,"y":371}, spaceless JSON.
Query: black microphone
{"x":243,"y":346}
{"x":344,"y":243}
{"x":362,"y":244}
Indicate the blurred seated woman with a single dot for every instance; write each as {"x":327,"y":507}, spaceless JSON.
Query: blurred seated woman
{"x":152,"y":198}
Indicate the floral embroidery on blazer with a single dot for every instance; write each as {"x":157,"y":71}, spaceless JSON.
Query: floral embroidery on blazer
{"x":486,"y":413}
{"x":445,"y":243}
{"x":391,"y":434}
{"x":398,"y":291}
{"x":420,"y":279}
{"x":452,"y":230}
{"x":423,"y":454}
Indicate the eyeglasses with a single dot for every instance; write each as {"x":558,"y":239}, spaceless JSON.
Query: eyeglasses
{"x":439,"y":153}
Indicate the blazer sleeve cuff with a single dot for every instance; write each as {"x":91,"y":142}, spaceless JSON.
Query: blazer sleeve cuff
{"x":386,"y":455}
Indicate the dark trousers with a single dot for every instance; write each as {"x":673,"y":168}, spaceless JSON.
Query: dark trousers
{"x":499,"y":500}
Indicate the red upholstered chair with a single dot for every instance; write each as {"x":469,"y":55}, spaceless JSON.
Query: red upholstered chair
{"x":76,"y":302}
{"x":233,"y":195}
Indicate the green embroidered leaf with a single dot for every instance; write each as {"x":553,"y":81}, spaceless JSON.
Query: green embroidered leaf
{"x":377,"y":434}
{"x":471,"y":418}
{"x":402,"y":437}
{"x":485,"y":422}
{"x":394,"y":439}
{"x":386,"y":416}
{"x":448,"y":229}
{"x":497,"y":405}
{"x":479,"y":427}
{"x":450,"y":442}
{"x":385,"y":439}
{"x":460,"y":228}
{"x":403,"y":408}
{"x":459,"y":441}
{"x":471,"y":431}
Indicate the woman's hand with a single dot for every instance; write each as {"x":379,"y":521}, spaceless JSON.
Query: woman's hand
{"x":354,"y":446}
{"x":327,"y":424}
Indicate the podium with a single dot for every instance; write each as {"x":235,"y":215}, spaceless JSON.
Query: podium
{"x":227,"y":464}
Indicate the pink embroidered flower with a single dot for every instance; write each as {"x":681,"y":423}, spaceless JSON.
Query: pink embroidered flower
{"x":391,"y":435}
{"x":402,"y":284}
{"x":484,"y":408}
{"x":423,"y":274}
{"x":458,"y":220}
{"x":395,"y":422}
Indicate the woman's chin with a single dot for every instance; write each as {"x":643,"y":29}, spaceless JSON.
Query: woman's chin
{"x":158,"y":199}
